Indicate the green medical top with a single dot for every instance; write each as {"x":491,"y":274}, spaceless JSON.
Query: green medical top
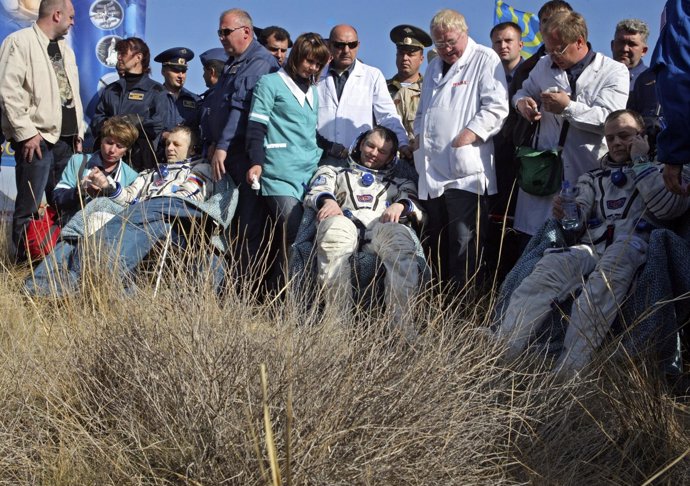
{"x":291,"y":151}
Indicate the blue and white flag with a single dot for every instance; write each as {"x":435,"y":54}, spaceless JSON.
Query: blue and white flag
{"x":528,"y":22}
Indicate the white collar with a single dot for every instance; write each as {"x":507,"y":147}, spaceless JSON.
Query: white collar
{"x":296,"y":90}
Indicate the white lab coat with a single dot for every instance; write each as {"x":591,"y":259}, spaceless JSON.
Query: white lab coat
{"x":473,"y":95}
{"x":365,"y":101}
{"x":601,"y":89}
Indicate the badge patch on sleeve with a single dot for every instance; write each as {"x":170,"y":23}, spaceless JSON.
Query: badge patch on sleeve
{"x":319,"y":181}
{"x":136,"y":96}
{"x":188,"y":104}
{"x":616,"y":203}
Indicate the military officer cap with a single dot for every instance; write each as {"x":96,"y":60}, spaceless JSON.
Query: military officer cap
{"x":175,"y":57}
{"x":215,"y":54}
{"x":410,"y":37}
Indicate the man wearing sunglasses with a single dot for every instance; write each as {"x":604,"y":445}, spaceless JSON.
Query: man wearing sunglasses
{"x":227,"y":122}
{"x":575,"y":87}
{"x":353,"y":97}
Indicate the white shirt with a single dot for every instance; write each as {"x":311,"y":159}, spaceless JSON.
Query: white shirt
{"x":601,"y":89}
{"x":473,"y":94}
{"x":364,"y":102}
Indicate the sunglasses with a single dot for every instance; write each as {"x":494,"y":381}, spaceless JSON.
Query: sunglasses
{"x":226,"y":32}
{"x":341,"y":45}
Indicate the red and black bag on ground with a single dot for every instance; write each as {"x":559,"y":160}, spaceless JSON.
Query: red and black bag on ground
{"x":42,"y":233}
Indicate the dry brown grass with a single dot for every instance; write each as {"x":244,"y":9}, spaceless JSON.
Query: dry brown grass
{"x":164,"y":388}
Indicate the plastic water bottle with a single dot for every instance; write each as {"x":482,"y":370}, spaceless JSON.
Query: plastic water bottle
{"x":571,"y":218}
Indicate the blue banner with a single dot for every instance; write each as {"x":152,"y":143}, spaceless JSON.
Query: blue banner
{"x":98,"y":25}
{"x":528,"y":22}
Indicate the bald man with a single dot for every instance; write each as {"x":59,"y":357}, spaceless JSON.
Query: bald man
{"x":353,"y":97}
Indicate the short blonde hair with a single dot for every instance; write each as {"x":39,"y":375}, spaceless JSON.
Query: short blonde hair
{"x":448,"y":19}
{"x":119,"y":128}
{"x":569,"y":26}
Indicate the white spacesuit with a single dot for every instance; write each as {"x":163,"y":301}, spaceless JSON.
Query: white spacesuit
{"x":618,"y":206}
{"x":363,"y":194}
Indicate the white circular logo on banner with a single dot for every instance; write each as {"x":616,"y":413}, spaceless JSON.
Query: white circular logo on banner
{"x":106,"y":14}
{"x":105,"y":50}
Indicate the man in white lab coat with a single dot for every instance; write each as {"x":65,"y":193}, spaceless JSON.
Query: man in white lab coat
{"x":464,"y":103}
{"x":353,"y":97}
{"x":572,"y":84}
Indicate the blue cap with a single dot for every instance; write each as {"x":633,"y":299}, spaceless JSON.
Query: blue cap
{"x":215,"y":54}
{"x":177,"y":57}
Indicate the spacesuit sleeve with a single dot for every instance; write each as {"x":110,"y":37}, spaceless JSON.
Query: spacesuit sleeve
{"x":662,"y":203}
{"x":323,"y":184}
{"x":586,"y":195}
{"x":198,"y":185}
{"x":126,"y":195}
{"x":408,"y":191}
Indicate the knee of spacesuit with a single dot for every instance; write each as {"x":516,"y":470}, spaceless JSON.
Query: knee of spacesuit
{"x":336,"y":240}
{"x":336,"y":235}
{"x":395,"y":246}
{"x":608,"y":284}
{"x":392,"y":241}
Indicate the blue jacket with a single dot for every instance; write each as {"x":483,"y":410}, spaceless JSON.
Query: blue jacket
{"x":185,"y":110}
{"x":671,"y":63}
{"x":231,"y":98}
{"x":147,"y":99}
{"x":206,"y":97}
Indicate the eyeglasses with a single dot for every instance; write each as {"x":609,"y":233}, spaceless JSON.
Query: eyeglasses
{"x":277,"y":49}
{"x":445,"y":44}
{"x":558,"y":53}
{"x":342,"y":45}
{"x":226,"y":32}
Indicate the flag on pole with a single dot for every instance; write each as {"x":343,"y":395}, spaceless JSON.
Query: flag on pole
{"x":529,"y":22}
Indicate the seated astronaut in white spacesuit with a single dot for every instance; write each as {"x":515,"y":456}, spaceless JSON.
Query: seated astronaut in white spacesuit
{"x":365,"y":206}
{"x":618,"y":205}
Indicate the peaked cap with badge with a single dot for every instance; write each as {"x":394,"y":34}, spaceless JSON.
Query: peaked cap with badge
{"x":409,"y":36}
{"x":176,"y":57}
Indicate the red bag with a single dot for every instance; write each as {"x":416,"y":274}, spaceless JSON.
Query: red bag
{"x":42,"y":233}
